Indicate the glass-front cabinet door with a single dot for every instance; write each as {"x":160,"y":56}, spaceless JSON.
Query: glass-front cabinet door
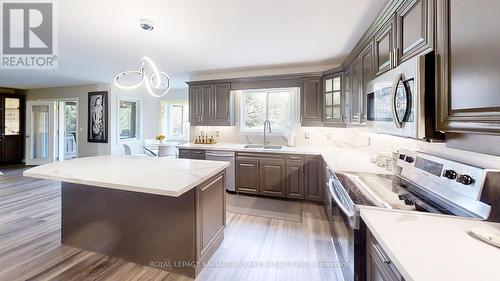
{"x":333,"y":98}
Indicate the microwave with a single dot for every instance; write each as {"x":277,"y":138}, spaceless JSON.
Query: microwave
{"x":402,"y":101}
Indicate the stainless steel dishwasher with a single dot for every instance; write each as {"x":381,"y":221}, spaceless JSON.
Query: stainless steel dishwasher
{"x":227,"y":156}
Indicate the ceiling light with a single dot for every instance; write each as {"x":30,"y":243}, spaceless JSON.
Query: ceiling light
{"x":157,"y":82}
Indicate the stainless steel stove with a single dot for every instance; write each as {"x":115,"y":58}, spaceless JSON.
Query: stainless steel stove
{"x":426,"y":183}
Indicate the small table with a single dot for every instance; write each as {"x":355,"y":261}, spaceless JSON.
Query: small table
{"x":164,"y":148}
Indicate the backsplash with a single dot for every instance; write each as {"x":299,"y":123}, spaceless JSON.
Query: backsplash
{"x":355,"y":138}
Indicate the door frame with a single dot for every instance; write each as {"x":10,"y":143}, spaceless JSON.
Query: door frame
{"x":57,"y":123}
{"x":28,"y":138}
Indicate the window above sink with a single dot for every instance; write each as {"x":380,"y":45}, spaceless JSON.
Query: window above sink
{"x":277,"y":105}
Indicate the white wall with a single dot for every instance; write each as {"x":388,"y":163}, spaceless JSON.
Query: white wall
{"x":358,"y":138}
{"x":151,"y":124}
{"x":81,"y":93}
{"x":150,"y":110}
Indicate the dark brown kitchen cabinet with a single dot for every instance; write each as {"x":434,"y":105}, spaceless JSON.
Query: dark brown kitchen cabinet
{"x":333,"y":98}
{"x":415,"y":28}
{"x":379,"y":267}
{"x":210,"y":105}
{"x":295,"y":179}
{"x":468,"y":66}
{"x":356,"y":90}
{"x":311,"y":101}
{"x":313,"y":178}
{"x":286,"y":176}
{"x":367,"y":76}
{"x":207,"y":104}
{"x":384,"y":47}
{"x":347,"y":94}
{"x":192,"y":154}
{"x":12,"y":127}
{"x":222,"y":104}
{"x":195,"y":108}
{"x":272,"y":177}
{"x":247,"y":175}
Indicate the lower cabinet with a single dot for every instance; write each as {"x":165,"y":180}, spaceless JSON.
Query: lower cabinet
{"x":286,"y":176}
{"x":192,"y":154}
{"x":247,"y":175}
{"x":313,"y":177}
{"x":272,"y":177}
{"x":378,"y":266}
{"x":295,"y":179}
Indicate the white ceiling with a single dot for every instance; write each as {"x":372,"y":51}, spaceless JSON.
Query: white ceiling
{"x":98,"y":39}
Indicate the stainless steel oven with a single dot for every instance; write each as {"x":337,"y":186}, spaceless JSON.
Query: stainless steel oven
{"x":444,"y":187}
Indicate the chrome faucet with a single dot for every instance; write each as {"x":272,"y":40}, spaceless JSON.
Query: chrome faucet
{"x":267,"y":122}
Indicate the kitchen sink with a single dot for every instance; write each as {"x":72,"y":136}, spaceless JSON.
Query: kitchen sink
{"x":272,"y":147}
{"x":259,"y":146}
{"x":254,"y":146}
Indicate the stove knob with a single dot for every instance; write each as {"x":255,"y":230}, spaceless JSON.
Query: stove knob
{"x":450,"y":174}
{"x":465,"y":179}
{"x":409,"y":202}
{"x":409,"y":159}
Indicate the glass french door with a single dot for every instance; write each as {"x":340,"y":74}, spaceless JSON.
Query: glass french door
{"x":40,"y":132}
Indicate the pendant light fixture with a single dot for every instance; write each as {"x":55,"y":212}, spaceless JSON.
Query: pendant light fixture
{"x":157,"y":82}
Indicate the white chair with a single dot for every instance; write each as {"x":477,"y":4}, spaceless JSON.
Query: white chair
{"x":137,"y":150}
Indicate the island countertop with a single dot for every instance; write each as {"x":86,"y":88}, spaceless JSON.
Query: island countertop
{"x":161,"y":176}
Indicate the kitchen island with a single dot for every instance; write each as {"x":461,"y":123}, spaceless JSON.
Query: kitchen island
{"x":164,"y":213}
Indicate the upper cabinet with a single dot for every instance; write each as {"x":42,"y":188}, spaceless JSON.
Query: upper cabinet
{"x":368,"y":75}
{"x":467,"y":43}
{"x":384,"y":47}
{"x":333,"y":98}
{"x":415,"y":24}
{"x":356,"y":90}
{"x":311,"y":101}
{"x":210,"y":105}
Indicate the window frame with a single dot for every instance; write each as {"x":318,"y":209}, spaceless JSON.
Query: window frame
{"x":294,"y":96}
{"x":168,"y":120}
{"x":138,"y":119}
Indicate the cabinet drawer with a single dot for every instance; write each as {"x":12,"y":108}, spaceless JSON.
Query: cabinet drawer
{"x":184,"y":153}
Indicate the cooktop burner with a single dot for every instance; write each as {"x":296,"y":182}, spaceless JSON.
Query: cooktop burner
{"x":392,"y":191}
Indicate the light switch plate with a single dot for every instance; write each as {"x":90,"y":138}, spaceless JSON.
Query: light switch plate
{"x":306,"y":136}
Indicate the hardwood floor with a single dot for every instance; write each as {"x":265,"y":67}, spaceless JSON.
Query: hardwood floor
{"x":254,"y":248}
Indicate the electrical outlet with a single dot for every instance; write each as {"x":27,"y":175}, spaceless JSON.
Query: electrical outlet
{"x":306,"y":136}
{"x":217,"y":133}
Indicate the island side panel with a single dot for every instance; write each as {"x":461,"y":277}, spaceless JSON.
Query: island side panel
{"x":211,"y":217}
{"x":148,"y":229}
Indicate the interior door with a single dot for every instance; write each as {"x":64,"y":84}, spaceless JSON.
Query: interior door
{"x":40,"y":128}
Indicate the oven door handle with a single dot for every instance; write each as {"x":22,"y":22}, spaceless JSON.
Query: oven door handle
{"x":347,"y":212}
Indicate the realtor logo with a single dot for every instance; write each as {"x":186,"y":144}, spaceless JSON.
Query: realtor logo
{"x":28,"y":35}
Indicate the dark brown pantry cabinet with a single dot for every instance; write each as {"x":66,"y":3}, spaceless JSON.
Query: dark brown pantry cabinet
{"x":468,"y":66}
{"x":12,"y":127}
{"x":210,"y":104}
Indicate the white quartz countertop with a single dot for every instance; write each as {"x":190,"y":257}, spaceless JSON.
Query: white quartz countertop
{"x":427,"y":247}
{"x":162,"y":176}
{"x":241,"y":148}
{"x":338,"y":159}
